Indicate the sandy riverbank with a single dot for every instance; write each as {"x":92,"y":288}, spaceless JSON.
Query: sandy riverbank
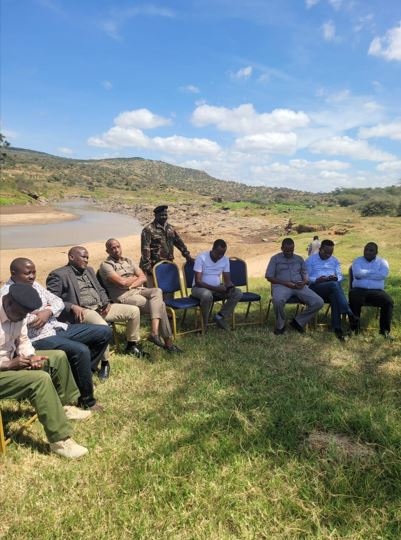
{"x":35,"y":215}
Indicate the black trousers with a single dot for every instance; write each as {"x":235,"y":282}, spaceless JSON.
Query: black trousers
{"x":375,"y":297}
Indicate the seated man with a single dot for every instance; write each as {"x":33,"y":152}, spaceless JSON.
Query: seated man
{"x":207,"y":286}
{"x":83,"y":344}
{"x":22,"y":376}
{"x":369,"y":273}
{"x":124,"y":282}
{"x":287,"y":274}
{"x":86,"y":301}
{"x":325,"y":276}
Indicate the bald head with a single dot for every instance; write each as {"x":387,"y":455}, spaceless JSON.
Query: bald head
{"x":78,"y":257}
{"x":23,"y":270}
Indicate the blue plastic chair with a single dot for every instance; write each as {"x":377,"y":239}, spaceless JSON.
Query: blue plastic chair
{"x":239,"y":278}
{"x":166,"y":276}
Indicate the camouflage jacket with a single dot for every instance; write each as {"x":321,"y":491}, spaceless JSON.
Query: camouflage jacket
{"x":157,"y":244}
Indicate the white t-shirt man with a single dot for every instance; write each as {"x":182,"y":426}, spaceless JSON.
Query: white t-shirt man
{"x":211,"y":271}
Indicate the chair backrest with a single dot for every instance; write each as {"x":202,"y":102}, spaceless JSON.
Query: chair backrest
{"x":166,"y":275}
{"x":350,"y":278}
{"x":238,"y":272}
{"x":188,"y":273}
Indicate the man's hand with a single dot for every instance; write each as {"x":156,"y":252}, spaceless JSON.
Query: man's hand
{"x":333,"y":277}
{"x":299,"y":285}
{"x":104,"y":311}
{"x":37,"y":361}
{"x":18,"y":363}
{"x":322,"y":279}
{"x":41,"y":318}
{"x":78,"y":313}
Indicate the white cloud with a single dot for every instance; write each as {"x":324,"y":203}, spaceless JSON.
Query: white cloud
{"x":272,"y":142}
{"x":243,"y":73}
{"x":9,"y":133}
{"x":345,"y":146}
{"x":390,"y":166}
{"x":387,"y":46}
{"x":127,"y":132}
{"x":244,"y":119}
{"x":390,"y":131}
{"x":311,"y":3}
{"x":190,"y":89}
{"x":329,"y":31}
{"x":107,"y":85}
{"x":65,"y":150}
{"x":140,"y":118}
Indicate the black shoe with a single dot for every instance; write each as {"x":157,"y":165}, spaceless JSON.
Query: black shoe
{"x":339,"y":335}
{"x":104,"y":372}
{"x":173,"y":349}
{"x":156,"y":341}
{"x":387,"y":336}
{"x":279,"y":331}
{"x":296,"y":326}
{"x":353,"y":321}
{"x":136,"y":350}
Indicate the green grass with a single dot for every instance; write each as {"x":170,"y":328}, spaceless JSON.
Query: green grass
{"x":212,"y":444}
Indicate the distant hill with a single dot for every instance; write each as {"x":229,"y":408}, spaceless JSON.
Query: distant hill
{"x":44,"y":173}
{"x":29,"y":175}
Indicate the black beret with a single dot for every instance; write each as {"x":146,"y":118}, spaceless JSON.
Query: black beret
{"x":160,"y":209}
{"x":26,"y":296}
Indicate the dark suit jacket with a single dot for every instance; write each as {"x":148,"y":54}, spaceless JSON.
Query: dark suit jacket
{"x":63,"y":283}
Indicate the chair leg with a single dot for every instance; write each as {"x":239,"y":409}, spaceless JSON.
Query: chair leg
{"x":174,"y":321}
{"x":2,"y":437}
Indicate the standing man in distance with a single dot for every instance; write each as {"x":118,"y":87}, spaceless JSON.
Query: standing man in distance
{"x":208,"y":269}
{"x":86,"y":301}
{"x":369,"y":273}
{"x":287,"y":274}
{"x":158,"y":240}
{"x":325,"y":276}
{"x":314,"y":246}
{"x":46,"y":381}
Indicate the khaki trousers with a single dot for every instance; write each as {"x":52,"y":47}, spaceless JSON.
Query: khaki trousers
{"x":149,"y":301}
{"x":117,"y":313}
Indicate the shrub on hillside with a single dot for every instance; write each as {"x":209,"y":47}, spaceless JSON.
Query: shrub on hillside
{"x":378,"y":207}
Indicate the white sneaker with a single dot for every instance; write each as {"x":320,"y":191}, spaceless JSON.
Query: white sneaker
{"x":73,"y":413}
{"x":68,"y":449}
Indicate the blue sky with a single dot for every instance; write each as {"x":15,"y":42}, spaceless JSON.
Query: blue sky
{"x":298,"y":93}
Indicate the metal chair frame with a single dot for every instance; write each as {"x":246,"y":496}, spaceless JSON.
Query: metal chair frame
{"x":183,"y":296}
{"x":244,"y":283}
{"x":5,"y":441}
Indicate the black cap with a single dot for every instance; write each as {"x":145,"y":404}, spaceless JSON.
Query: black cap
{"x":25,"y":296}
{"x":160,"y":209}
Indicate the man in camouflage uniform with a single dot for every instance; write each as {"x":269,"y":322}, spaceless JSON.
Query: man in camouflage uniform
{"x":157,"y":243}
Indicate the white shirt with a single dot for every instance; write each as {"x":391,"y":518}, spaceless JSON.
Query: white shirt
{"x":211,"y":271}
{"x":49,"y":301}
{"x":13,"y":337}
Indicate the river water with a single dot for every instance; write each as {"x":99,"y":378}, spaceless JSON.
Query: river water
{"x":91,"y":225}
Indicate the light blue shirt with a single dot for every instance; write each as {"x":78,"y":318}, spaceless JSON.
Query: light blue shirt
{"x":318,"y":267}
{"x":369,"y":274}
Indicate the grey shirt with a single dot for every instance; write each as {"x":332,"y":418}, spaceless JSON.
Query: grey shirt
{"x":125,"y":268}
{"x":286,"y":268}
{"x":89,"y":296}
